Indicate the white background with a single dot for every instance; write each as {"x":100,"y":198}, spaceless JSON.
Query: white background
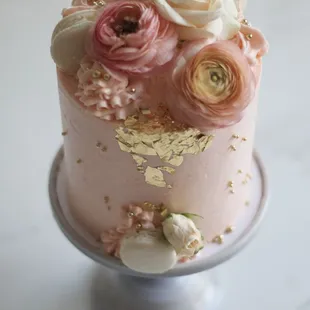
{"x":40,"y":270}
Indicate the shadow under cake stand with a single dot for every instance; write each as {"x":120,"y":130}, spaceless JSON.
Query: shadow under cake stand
{"x":187,"y":286}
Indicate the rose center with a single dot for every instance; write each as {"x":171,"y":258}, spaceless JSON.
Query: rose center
{"x":126,"y":26}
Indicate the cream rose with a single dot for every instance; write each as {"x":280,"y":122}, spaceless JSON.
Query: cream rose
{"x":201,"y":19}
{"x":182,"y":233}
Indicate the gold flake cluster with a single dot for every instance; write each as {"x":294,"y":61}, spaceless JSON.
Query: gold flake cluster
{"x":150,"y":134}
{"x":219,"y":239}
{"x":235,"y":136}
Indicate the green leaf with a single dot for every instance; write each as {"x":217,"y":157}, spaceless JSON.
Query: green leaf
{"x":191,"y":215}
{"x":199,"y":250}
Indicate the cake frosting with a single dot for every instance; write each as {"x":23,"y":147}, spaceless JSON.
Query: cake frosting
{"x":158,"y":102}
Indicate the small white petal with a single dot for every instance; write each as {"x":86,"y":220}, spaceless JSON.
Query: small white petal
{"x":116,"y":101}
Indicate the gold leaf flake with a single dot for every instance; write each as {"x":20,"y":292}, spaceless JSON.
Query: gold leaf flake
{"x":154,"y":177}
{"x":218,"y":239}
{"x":124,"y":147}
{"x":167,"y":169}
{"x":130,"y":121}
{"x":139,"y":159}
{"x":176,"y":160}
{"x":142,"y":149}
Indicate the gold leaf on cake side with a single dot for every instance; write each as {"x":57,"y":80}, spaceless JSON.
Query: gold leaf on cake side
{"x":158,"y":135}
{"x":154,"y":177}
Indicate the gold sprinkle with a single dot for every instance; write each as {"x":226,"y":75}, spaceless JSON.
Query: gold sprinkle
{"x":106,"y":199}
{"x":235,"y":136}
{"x":131,"y":214}
{"x":104,"y":149}
{"x":230,"y":184}
{"x":239,"y":171}
{"x":169,"y":186}
{"x":244,"y":139}
{"x":218,"y":239}
{"x":154,"y":177}
{"x":247,"y":203}
{"x":98,"y":145}
{"x":249,"y":176}
{"x":64,"y":133}
{"x":79,"y":161}
{"x":138,"y":226}
{"x":249,"y":36}
{"x":232,"y":191}
{"x":232,"y":147}
{"x":96,"y":74}
{"x":229,"y":229}
{"x":106,"y":77}
{"x":245,"y":21}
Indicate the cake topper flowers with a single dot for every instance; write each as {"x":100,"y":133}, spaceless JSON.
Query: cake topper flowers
{"x":132,"y":37}
{"x":201,"y":19}
{"x":210,"y":89}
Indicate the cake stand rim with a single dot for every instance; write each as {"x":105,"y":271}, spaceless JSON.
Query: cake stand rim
{"x":212,"y":261}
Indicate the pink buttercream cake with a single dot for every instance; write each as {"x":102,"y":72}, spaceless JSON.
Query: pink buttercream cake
{"x":158,"y":102}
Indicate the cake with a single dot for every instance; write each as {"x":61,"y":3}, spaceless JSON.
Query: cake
{"x":158,"y":103}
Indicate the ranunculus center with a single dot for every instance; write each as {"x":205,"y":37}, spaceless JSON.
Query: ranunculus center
{"x":212,"y":79}
{"x":126,"y":25}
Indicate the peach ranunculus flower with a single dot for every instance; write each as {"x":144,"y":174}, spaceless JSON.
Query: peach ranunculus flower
{"x":211,"y":88}
{"x":201,"y":19}
{"x":130,"y":36}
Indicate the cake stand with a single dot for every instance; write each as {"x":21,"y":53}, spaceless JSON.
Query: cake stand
{"x":189,"y":286}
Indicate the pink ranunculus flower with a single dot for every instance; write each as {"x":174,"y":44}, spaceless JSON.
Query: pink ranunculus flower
{"x":132,"y":37}
{"x":108,"y":94}
{"x":211,"y":88}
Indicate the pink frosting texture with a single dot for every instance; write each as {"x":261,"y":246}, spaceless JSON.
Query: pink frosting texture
{"x":132,"y":37}
{"x":212,"y":87}
{"x":134,"y":218}
{"x":107,"y":92}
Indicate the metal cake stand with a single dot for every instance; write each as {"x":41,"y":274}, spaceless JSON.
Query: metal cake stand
{"x":189,"y":286}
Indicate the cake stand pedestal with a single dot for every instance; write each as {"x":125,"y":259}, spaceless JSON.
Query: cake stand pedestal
{"x":189,"y":286}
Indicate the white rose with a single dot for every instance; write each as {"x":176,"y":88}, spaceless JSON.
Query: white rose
{"x":200,"y":19}
{"x":183,"y":235}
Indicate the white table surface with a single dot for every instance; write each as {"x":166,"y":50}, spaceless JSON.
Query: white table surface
{"x":40,"y":270}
